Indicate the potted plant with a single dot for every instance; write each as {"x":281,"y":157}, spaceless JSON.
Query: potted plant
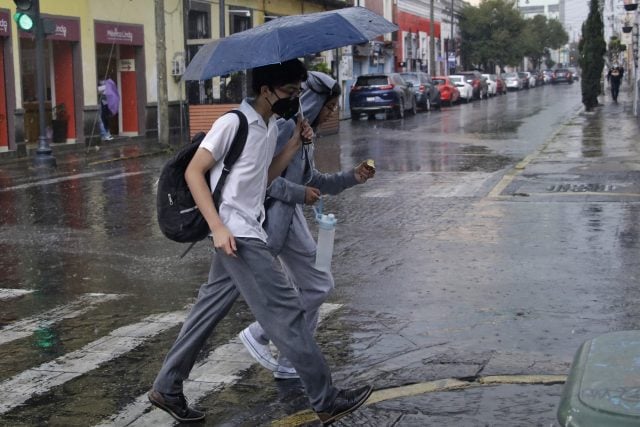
{"x":59,"y":123}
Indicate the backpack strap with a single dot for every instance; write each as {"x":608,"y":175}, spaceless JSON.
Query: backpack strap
{"x":237,"y":145}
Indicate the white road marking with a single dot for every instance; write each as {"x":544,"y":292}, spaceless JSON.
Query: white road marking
{"x":20,"y":388}
{"x":222,"y":367}
{"x":28,"y":326}
{"x":69,"y":178}
{"x":6,"y":294}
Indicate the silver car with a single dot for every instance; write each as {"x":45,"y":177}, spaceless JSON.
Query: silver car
{"x":512,"y":81}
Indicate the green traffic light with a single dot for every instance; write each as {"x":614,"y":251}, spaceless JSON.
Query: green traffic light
{"x":24,"y":20}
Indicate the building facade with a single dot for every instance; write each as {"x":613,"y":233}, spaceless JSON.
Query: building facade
{"x":117,"y":39}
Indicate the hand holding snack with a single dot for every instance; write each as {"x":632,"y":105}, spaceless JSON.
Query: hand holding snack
{"x":364,"y":171}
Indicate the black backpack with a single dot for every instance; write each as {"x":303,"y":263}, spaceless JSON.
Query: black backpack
{"x":178,"y":216}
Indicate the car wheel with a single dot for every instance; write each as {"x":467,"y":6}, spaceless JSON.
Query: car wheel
{"x":355,"y":116}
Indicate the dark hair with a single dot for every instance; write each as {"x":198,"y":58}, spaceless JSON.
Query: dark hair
{"x":275,"y":75}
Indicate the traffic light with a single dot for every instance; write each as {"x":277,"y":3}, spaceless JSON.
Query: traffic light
{"x":25,"y":15}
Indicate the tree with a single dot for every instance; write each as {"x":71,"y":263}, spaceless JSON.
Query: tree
{"x":489,"y":33}
{"x":540,"y":35}
{"x":592,"y":49}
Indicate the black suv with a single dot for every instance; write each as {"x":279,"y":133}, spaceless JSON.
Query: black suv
{"x":381,"y":93}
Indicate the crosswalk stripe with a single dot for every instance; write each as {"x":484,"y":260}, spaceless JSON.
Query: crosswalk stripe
{"x":39,"y":380}
{"x":28,"y":326}
{"x":13,"y":293}
{"x":222,"y":366}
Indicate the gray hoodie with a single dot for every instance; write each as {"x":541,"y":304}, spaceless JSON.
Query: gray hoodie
{"x":285,"y":222}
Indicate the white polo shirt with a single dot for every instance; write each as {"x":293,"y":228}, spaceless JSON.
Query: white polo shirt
{"x":242,"y":205}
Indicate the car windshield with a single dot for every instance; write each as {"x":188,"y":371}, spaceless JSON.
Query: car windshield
{"x":372,"y":81}
{"x":439,"y":81}
{"x":413,"y":78}
{"x":509,"y":75}
{"x":456,"y":79}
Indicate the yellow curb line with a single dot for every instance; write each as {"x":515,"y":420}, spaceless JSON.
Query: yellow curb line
{"x":447,"y":384}
{"x":520,"y":166}
{"x":568,"y":193}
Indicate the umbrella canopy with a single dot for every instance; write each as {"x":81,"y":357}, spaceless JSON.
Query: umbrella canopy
{"x":286,"y":38}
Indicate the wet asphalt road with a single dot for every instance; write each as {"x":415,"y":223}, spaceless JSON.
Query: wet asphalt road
{"x":494,"y":240}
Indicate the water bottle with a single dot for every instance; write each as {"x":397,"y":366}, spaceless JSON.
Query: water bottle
{"x":326,"y":234}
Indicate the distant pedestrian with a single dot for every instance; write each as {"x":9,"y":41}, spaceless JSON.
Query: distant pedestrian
{"x":614,"y":76}
{"x":242,"y":263}
{"x":109,"y":104}
{"x":288,"y":234}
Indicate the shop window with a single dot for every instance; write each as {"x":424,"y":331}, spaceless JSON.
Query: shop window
{"x":28,"y":70}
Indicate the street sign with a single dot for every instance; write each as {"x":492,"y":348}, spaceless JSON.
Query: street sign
{"x":127,"y":65}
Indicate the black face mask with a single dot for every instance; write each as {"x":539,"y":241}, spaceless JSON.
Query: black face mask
{"x":285,"y":107}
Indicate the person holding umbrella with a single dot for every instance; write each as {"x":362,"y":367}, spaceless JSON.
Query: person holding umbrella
{"x":109,"y":104}
{"x":288,"y":234}
{"x":242,"y":263}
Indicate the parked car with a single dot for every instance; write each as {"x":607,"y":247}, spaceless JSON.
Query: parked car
{"x":575,"y":73}
{"x":492,"y":85}
{"x":501,"y":85}
{"x":524,"y":77}
{"x":548,"y":76}
{"x":513,"y":81}
{"x":539,"y":78}
{"x":479,"y":83}
{"x":465,"y":89}
{"x":381,"y":93}
{"x":562,"y":75}
{"x":427,"y":93}
{"x":449,"y":93}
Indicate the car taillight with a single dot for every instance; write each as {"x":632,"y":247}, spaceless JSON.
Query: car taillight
{"x":386,"y":87}
{"x":421,"y":88}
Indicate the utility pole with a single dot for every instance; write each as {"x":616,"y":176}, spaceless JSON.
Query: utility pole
{"x":161,"y":65}
{"x":452,"y":45}
{"x":222,"y":35}
{"x":432,"y":41}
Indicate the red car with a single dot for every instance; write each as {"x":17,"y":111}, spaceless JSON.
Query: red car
{"x":449,"y":93}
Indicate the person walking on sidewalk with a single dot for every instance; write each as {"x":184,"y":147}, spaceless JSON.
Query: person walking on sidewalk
{"x":288,"y":234}
{"x":242,"y":263}
{"x":109,"y":105}
{"x":614,"y":76}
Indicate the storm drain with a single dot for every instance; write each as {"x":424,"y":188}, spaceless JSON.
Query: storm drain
{"x":581,"y":188}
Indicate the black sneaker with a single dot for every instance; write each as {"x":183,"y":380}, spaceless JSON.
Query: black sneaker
{"x":347,"y":401}
{"x":177,"y":407}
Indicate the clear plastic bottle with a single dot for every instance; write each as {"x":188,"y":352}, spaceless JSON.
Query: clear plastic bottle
{"x":326,"y":235}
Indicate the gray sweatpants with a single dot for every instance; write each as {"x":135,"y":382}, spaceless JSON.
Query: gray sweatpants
{"x":313,"y":287}
{"x":258,"y":276}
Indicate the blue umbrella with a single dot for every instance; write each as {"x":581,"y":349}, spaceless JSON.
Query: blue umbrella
{"x":286,"y":38}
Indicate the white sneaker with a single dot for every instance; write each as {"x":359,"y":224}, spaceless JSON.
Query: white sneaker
{"x":285,"y":373}
{"x":260,"y":352}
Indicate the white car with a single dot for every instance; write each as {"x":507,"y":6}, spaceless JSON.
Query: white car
{"x":512,"y":81}
{"x":465,"y":89}
{"x":492,"y":84}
